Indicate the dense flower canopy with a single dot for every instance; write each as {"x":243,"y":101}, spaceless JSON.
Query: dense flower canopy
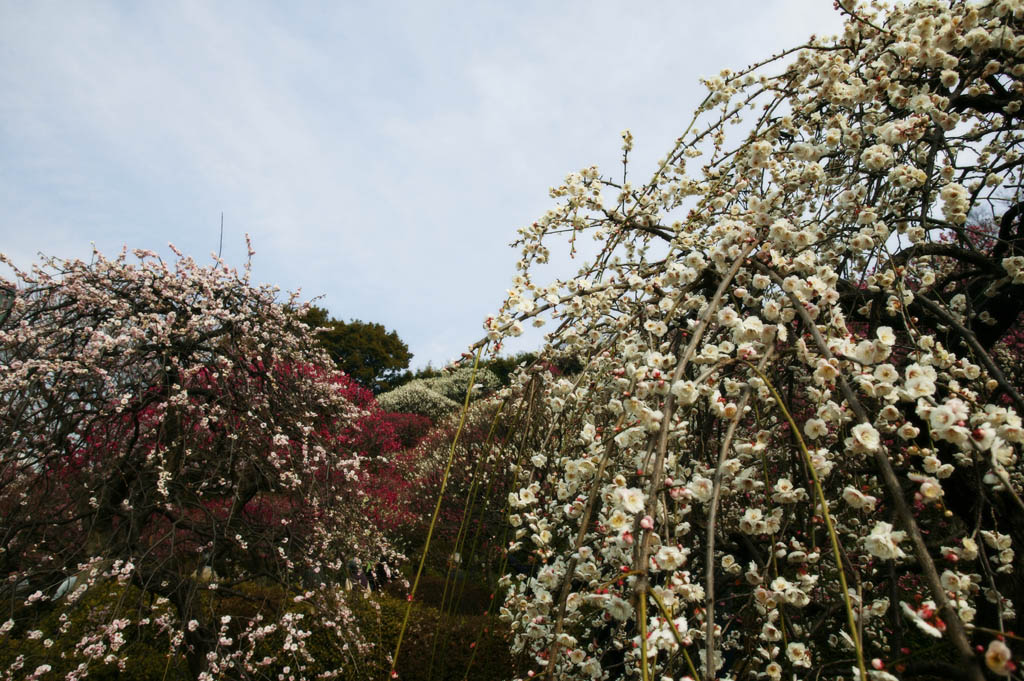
{"x":794,"y":447}
{"x":176,"y":431}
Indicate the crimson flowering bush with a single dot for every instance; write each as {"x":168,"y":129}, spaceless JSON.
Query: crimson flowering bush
{"x":793,"y":450}
{"x":175,"y":429}
{"x":477,"y":465}
{"x":372,"y":434}
{"x":408,"y":483}
{"x":389,"y":493}
{"x":408,"y":428}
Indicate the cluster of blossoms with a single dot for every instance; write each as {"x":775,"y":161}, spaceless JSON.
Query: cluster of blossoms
{"x":792,"y":451}
{"x":173,"y":438}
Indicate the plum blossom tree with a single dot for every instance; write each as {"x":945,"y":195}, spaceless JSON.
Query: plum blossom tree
{"x":175,"y":431}
{"x":793,"y":450}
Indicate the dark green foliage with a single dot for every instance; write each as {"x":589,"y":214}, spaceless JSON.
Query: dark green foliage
{"x":460,"y":593}
{"x":418,"y":659}
{"x":366,"y":351}
{"x":409,"y":376}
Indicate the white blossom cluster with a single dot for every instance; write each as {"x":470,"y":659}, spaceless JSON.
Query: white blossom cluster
{"x":792,"y":444}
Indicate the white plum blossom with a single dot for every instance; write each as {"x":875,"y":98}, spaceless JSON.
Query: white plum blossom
{"x":798,"y":654}
{"x":815,"y":428}
{"x":997,"y":657}
{"x":866,"y":437}
{"x":618,"y":608}
{"x":670,"y":557}
{"x":883,"y":541}
{"x":631,"y":499}
{"x":858,"y":499}
{"x":877,"y":157}
{"x":701,"y":488}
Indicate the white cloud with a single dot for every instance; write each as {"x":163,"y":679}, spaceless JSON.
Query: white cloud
{"x":383,"y":156}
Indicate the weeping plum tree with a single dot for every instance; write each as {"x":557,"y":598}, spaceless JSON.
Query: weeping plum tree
{"x":793,"y":450}
{"x":176,"y":432}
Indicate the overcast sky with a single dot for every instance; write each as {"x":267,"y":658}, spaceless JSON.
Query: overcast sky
{"x":380,"y":155}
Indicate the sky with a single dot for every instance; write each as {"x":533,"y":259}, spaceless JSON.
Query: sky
{"x":379,"y":155}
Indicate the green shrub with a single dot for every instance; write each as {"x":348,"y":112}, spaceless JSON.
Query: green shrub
{"x":454,"y":385}
{"x":417,"y":398}
{"x":380,"y":619}
{"x":438,"y":396}
{"x":471,"y":597}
